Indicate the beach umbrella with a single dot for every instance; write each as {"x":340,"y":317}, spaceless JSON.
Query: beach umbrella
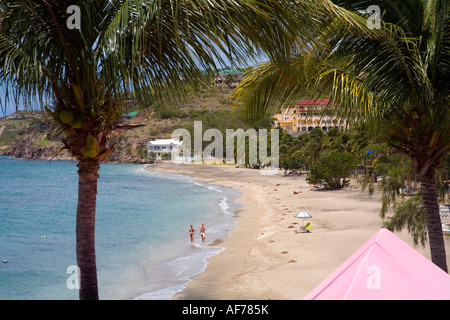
{"x":303,"y":215}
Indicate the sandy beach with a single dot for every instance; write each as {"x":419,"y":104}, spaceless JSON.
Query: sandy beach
{"x":266,"y":257}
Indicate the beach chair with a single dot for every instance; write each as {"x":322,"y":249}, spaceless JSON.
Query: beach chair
{"x":306,"y":228}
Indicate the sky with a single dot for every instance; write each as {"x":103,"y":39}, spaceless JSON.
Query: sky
{"x":11,"y":106}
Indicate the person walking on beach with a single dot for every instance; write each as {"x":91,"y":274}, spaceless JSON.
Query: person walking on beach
{"x":202,"y":232}
{"x":191,"y":233}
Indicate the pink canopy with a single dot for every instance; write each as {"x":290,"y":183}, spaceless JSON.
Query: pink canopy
{"x":385,"y":267}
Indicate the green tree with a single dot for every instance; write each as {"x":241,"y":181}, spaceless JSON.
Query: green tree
{"x":293,"y":163}
{"x":443,"y":179}
{"x":332,"y":168}
{"x":147,"y":49}
{"x":408,"y":209}
{"x":394,"y":78}
{"x":409,"y":213}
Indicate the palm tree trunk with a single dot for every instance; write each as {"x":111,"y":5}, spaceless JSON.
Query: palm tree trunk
{"x":85,"y":228}
{"x":434,"y":225}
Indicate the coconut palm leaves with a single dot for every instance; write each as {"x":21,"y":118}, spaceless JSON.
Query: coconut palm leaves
{"x":394,"y":78}
{"x":148,"y":48}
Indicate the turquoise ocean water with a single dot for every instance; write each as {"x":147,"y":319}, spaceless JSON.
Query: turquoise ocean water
{"x":142,"y":242}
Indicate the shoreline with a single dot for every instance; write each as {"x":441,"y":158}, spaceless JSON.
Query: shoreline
{"x":265,"y":257}
{"x":186,"y":260}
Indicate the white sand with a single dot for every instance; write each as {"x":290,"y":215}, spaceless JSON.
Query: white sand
{"x":266,"y":257}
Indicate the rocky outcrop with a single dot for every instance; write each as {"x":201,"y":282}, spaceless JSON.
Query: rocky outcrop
{"x":26,"y":148}
{"x":34,"y":142}
{"x":39,"y":142}
{"x":129,"y":151}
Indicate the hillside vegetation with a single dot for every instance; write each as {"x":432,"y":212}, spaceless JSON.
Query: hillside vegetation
{"x":34,"y":137}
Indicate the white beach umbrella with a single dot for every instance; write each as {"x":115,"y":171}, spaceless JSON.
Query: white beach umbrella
{"x":303,"y":215}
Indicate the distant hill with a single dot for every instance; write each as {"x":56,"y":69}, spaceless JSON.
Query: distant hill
{"x":33,"y":137}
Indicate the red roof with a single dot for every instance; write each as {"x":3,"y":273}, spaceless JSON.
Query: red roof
{"x":307,"y":102}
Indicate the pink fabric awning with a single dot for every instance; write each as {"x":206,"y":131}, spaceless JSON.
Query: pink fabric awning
{"x":385,"y":267}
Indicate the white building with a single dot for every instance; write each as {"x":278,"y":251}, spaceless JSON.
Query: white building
{"x":160,"y":146}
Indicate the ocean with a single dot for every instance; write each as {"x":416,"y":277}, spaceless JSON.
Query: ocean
{"x":143,"y":248}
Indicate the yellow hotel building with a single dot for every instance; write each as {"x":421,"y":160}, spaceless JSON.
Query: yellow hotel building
{"x":307,"y":115}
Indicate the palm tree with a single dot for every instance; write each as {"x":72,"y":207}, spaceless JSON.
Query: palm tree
{"x":395,"y":78}
{"x":148,"y":48}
